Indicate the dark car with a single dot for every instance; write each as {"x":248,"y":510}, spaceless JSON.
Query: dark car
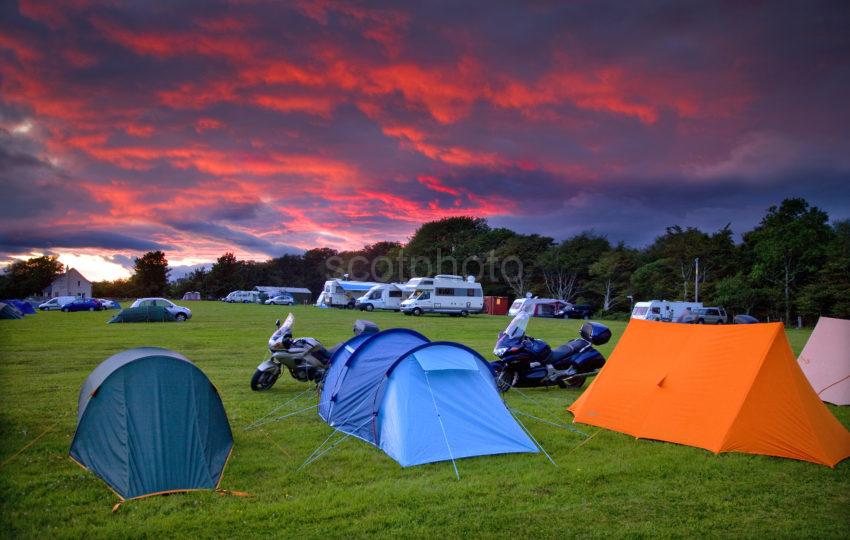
{"x":575,"y":311}
{"x":87,"y":304}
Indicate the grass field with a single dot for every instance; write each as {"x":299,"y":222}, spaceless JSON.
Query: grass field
{"x":610,"y":485}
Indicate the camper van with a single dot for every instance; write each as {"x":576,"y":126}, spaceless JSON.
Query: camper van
{"x":445,"y":294}
{"x":243,"y":297}
{"x":342,"y":293}
{"x":662,"y":310}
{"x":386,"y":296}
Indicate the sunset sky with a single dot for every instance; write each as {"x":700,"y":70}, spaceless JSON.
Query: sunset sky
{"x":266,"y":128}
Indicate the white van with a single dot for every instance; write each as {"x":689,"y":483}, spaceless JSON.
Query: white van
{"x":445,"y":294}
{"x":662,"y":310}
{"x":342,"y":293}
{"x":243,"y":297}
{"x":56,"y":303}
{"x":387,"y":296}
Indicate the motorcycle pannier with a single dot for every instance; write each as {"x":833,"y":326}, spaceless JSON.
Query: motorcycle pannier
{"x":596,"y":333}
{"x":365,"y":327}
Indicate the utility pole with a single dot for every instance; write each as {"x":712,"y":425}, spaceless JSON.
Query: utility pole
{"x":696,"y":280}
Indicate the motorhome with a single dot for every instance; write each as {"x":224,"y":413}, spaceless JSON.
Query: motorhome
{"x":445,"y":294}
{"x":662,"y":310}
{"x":342,"y":293}
{"x":385,"y":296}
{"x":243,"y":297}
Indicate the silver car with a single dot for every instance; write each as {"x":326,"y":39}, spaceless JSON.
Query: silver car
{"x":180,"y":313}
{"x":280,"y":300}
{"x":710,"y":315}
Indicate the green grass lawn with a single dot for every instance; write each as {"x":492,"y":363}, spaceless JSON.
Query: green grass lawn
{"x":612,"y":484}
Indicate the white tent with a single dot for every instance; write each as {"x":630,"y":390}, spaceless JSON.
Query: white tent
{"x":826,"y":360}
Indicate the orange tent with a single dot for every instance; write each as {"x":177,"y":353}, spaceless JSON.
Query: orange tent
{"x":734,"y":388}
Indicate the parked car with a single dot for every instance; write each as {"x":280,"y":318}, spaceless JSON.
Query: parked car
{"x":108,"y":304}
{"x":710,"y":315}
{"x":180,"y":313}
{"x":56,"y":303}
{"x":575,"y":311}
{"x":281,"y":300}
{"x":82,"y":304}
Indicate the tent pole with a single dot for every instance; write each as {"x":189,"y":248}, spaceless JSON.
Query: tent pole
{"x":440,"y":420}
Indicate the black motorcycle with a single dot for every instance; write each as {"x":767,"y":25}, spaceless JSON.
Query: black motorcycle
{"x":528,"y":362}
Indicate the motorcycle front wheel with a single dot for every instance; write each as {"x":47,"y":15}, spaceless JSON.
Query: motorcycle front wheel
{"x":264,"y":379}
{"x":505,"y":379}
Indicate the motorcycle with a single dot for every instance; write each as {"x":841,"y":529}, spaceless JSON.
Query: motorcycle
{"x":305,"y":358}
{"x":528,"y":362}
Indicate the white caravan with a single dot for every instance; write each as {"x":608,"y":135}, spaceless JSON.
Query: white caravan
{"x":342,"y":293}
{"x":445,"y":294}
{"x":386,"y":296}
{"x":662,"y":310}
{"x":243,"y":297}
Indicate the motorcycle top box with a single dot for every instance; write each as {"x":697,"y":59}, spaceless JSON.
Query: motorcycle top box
{"x":596,"y":333}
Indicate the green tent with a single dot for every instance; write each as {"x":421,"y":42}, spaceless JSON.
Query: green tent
{"x":144,"y":314}
{"x":8,"y":311}
{"x":150,"y":422}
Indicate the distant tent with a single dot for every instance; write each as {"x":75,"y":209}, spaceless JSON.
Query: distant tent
{"x":418,"y":401}
{"x":8,"y":311}
{"x":150,"y":422}
{"x":24,"y":307}
{"x":826,"y":360}
{"x":731,"y":388}
{"x":191,"y":295}
{"x":143,"y":314}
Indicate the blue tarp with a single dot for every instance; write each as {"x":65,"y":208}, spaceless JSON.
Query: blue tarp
{"x":24,"y":307}
{"x":355,"y":285}
{"x":149,"y":421}
{"x":417,"y":400}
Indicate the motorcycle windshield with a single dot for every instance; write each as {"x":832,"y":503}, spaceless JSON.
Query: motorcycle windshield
{"x":513,"y":333}
{"x":517,"y":326}
{"x":284,"y":330}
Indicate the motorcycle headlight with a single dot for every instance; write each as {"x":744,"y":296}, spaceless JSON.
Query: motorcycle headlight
{"x":499,"y":351}
{"x":276,"y":346}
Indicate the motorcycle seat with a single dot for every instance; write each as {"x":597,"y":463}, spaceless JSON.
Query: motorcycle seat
{"x":567,"y":349}
{"x":330,"y":352}
{"x":325,"y":354}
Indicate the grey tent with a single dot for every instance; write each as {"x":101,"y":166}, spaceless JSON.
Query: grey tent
{"x":143,"y":314}
{"x":8,"y":311}
{"x":149,"y":422}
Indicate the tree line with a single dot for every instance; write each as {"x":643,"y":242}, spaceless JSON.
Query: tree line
{"x":793,"y":263}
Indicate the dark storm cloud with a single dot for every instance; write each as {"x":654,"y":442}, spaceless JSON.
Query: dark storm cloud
{"x":15,"y":241}
{"x":259,"y":127}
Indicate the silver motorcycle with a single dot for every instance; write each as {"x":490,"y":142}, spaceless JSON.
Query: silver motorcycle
{"x":305,"y":358}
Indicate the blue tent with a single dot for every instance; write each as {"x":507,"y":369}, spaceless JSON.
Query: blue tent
{"x":348,"y":393}
{"x":149,"y":422}
{"x":24,"y":307}
{"x":419,"y":401}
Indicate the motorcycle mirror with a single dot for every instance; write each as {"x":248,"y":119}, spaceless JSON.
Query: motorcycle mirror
{"x":277,"y":323}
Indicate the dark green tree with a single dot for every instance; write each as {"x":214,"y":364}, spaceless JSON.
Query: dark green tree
{"x":30,"y":277}
{"x":150,"y":277}
{"x":610,"y":276}
{"x":789,"y":246}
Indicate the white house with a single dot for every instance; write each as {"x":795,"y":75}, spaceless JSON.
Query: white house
{"x":71,"y":283}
